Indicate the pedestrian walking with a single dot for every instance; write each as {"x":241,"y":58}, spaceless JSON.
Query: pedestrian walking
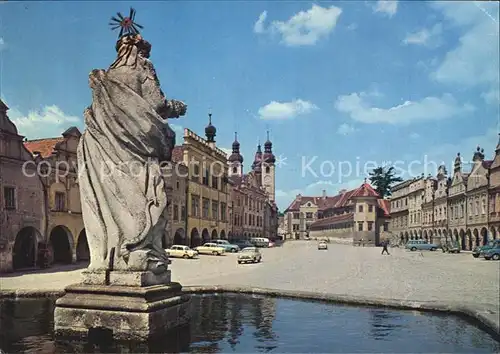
{"x":385,"y":244}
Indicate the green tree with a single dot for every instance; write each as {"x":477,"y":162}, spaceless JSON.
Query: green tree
{"x":383,"y":179}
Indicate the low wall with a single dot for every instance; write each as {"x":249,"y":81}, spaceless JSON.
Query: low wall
{"x":482,"y":317}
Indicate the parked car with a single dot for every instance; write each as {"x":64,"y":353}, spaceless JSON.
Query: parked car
{"x":249,"y":254}
{"x":260,"y":241}
{"x":451,"y":247}
{"x":493,"y":252}
{"x":479,"y":251}
{"x":414,"y":245}
{"x":180,"y":251}
{"x":228,"y":247}
{"x":242,"y":243}
{"x":210,"y":248}
{"x":322,"y":245}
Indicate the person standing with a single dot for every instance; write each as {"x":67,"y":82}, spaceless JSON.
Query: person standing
{"x":385,"y":243}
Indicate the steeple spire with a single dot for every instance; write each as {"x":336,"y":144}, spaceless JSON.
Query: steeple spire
{"x":236,"y":156}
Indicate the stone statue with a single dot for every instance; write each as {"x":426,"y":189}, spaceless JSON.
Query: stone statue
{"x":120,"y":156}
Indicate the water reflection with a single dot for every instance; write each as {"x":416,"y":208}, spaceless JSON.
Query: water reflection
{"x":240,"y":323}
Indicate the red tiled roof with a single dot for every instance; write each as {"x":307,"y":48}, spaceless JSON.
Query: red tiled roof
{"x":44,"y":146}
{"x":338,"y":201}
{"x":365,"y":191}
{"x":385,"y":205}
{"x":333,"y":220}
{"x":178,"y":154}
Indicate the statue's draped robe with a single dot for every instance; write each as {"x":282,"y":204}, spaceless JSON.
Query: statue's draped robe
{"x":124,"y":201}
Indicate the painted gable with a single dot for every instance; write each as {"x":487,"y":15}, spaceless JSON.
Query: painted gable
{"x":478,"y":177}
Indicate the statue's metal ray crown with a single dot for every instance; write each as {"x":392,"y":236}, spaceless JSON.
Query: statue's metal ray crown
{"x":126,"y":25}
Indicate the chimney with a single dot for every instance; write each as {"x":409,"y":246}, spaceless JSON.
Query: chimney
{"x":299,"y":197}
{"x":324,"y":193}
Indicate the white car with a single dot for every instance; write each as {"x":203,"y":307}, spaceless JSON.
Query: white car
{"x":211,"y":248}
{"x":180,"y":251}
{"x":322,"y":245}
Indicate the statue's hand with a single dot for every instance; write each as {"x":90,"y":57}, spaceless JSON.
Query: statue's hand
{"x":179,"y":108}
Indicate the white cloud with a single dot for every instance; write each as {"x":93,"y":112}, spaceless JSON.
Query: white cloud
{"x":352,"y":26}
{"x":426,"y":37}
{"x":475,"y":60}
{"x":429,"y":108}
{"x":345,"y":129}
{"x":414,"y":136}
{"x":259,"y":25}
{"x":51,"y":121}
{"x":3,"y":45}
{"x":286,"y":110}
{"x":303,"y":28}
{"x":388,"y":7}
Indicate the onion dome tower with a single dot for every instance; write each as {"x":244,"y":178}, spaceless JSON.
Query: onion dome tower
{"x":210,"y":130}
{"x":257,"y":162}
{"x":269,"y":169}
{"x":235,"y":160}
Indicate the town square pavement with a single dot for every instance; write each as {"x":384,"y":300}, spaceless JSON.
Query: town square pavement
{"x":341,"y":270}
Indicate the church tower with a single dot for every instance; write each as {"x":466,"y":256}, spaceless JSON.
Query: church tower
{"x":269,"y":169}
{"x":235,"y":160}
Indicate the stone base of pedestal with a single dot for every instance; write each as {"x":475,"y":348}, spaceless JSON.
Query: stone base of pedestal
{"x":128,"y":278}
{"x":130,"y":313}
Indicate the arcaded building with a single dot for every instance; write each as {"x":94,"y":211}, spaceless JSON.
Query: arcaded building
{"x":23,"y":216}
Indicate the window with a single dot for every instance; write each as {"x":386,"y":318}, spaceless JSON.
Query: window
{"x":176,"y":212}
{"x":215,"y":182}
{"x":309,"y":215}
{"x":183,"y":213}
{"x":195,"y":205}
{"x":223,"y":212}
{"x":477,"y":207}
{"x":268,"y":169}
{"x":370,"y":208}
{"x":178,"y":185}
{"x":10,"y":197}
{"x":461,"y":210}
{"x":206,"y":208}
{"x":296,"y":215}
{"x":235,"y":170}
{"x":246,"y":219}
{"x":60,"y":201}
{"x":360,"y":208}
{"x":370,"y":225}
{"x":215,"y":209}
{"x":206,"y":176}
{"x":360,"y":226}
{"x":196,"y":172}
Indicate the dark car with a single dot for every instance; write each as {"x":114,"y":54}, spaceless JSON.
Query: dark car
{"x":242,"y":243}
{"x":492,"y":253}
{"x":479,"y":251}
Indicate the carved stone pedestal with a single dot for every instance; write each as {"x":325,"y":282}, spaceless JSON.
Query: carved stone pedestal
{"x":129,"y":312}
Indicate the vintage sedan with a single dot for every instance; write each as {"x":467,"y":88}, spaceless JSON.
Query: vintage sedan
{"x":180,"y":251}
{"x":249,"y":254}
{"x":493,"y":252}
{"x":210,"y":248}
{"x":322,"y":245}
{"x":414,"y":245}
{"x":479,"y":251}
{"x":229,"y":247}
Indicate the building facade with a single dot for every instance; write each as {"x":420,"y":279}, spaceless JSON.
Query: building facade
{"x":465,"y":207}
{"x":57,"y":162}
{"x":399,"y":210}
{"x":358,"y":216}
{"x":23,"y":216}
{"x":208,"y":193}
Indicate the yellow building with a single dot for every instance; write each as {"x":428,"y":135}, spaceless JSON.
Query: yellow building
{"x":208,"y":190}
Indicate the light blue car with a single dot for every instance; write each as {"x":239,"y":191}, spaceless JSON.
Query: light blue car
{"x":414,"y":245}
{"x":229,"y":247}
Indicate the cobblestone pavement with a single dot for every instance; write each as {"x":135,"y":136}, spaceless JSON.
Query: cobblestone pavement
{"x":341,"y":270}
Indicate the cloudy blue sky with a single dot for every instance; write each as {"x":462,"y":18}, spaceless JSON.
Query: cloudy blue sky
{"x":336,"y":83}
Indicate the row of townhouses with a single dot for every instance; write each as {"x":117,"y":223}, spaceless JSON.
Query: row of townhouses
{"x":211,"y":196}
{"x":463,"y":207}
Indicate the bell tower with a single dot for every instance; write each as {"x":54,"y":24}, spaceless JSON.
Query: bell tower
{"x":269,"y":169}
{"x":235,"y":160}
